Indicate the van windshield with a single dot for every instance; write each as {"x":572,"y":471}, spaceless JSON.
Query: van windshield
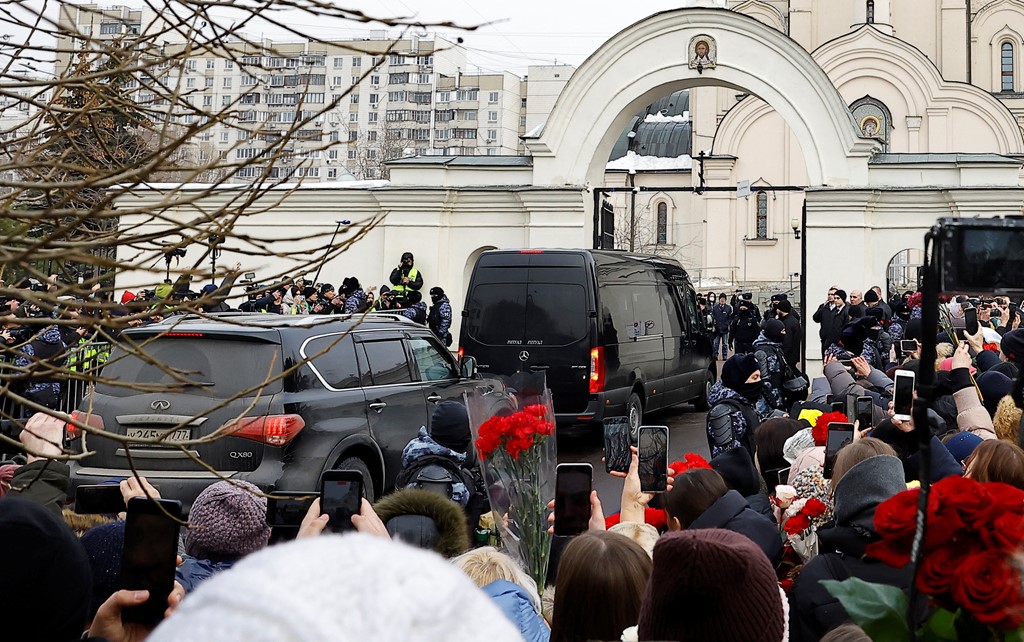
{"x":214,"y":367}
{"x":548,"y":314}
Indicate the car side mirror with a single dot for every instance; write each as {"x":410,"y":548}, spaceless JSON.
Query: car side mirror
{"x":468,"y":368}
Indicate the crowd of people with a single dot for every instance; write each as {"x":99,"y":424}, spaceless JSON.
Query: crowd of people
{"x":712,"y":558}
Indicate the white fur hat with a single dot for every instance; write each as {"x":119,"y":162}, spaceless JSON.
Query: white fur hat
{"x":338,"y":588}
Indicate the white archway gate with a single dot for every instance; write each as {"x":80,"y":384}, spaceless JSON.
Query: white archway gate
{"x":650,"y":59}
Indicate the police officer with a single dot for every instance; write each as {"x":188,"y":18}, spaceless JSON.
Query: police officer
{"x":405,"y":278}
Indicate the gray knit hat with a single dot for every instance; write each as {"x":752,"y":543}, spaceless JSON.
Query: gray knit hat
{"x":865,"y":486}
{"x":227,"y":521}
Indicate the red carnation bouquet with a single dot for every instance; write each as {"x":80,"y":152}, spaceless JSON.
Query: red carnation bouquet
{"x":970,"y":567}
{"x":513,"y":431}
{"x":820,"y":430}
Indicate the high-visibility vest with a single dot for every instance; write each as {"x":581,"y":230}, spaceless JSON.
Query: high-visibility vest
{"x":402,"y":289}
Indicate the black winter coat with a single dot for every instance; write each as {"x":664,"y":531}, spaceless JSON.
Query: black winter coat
{"x":792,"y":339}
{"x":732,"y":513}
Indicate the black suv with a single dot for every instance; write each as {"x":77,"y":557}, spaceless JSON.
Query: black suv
{"x":352,"y":395}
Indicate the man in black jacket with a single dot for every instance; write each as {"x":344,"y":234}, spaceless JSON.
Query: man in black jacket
{"x":794,"y":332}
{"x":833,"y":317}
{"x":405,"y":278}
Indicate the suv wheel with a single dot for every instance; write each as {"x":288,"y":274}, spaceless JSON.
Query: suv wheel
{"x":635,"y":412}
{"x":356,"y":464}
{"x":701,"y":403}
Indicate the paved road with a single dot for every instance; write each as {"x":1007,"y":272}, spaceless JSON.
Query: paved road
{"x":686,"y":435}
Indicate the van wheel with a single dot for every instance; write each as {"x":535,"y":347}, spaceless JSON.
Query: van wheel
{"x":701,"y":403}
{"x":634,"y":412}
{"x":356,"y":464}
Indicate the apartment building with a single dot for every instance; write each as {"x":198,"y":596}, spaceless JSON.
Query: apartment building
{"x":357,"y":102}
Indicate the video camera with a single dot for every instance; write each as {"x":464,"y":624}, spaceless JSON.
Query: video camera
{"x":981,"y":256}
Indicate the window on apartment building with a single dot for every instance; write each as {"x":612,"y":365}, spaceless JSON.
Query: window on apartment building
{"x":423,"y":79}
{"x":209,"y":82}
{"x":332,"y":154}
{"x":225,"y":137}
{"x":351,"y":154}
{"x":444,"y":96}
{"x":353,"y":117}
{"x":492,"y":97}
{"x":352,"y":136}
{"x":662,"y":223}
{"x":355,"y":80}
{"x":374,"y":99}
{"x":332,"y":173}
{"x":339,"y":63}
{"x":190,"y":65}
{"x":207,"y":101}
{"x":314,"y":99}
{"x":371,"y":154}
{"x":375,"y":80}
{"x":467,"y":94}
{"x":522,"y":103}
{"x":371,"y":136}
{"x":229,"y":64}
{"x":492,"y":134}
{"x":492,"y":116}
{"x":227,"y":82}
{"x":522,"y":121}
{"x":491,"y":151}
{"x":371,"y":117}
{"x":210,"y":63}
{"x":110,"y":28}
{"x":762,"y":215}
{"x":190,"y":82}
{"x":869,"y":12}
{"x":354,"y":99}
{"x":1006,"y":65}
{"x":469,"y":114}
{"x":357,"y":61}
{"x":335,"y":136}
{"x":225,"y":100}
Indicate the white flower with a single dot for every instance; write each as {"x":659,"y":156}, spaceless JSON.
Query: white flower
{"x":784,"y":495}
{"x":632,"y":634}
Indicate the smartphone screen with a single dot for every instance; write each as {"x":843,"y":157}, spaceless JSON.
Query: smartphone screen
{"x":839,"y":435}
{"x":101,"y":499}
{"x":149,"y":556}
{"x":863,"y":412}
{"x":828,"y":400}
{"x":341,"y":492}
{"x":653,"y":458}
{"x":907,"y":346}
{"x":903,"y":395}
{"x":617,"y":440}
{"x":971,"y":320}
{"x":572,"y":498}
{"x":851,"y":407}
{"x":839,"y":406}
{"x":288,"y":508}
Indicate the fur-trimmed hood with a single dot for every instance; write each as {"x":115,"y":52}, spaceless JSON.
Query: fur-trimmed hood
{"x":437,"y":512}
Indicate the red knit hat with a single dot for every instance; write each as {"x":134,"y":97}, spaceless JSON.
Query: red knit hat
{"x":711,"y":584}
{"x":127,"y":296}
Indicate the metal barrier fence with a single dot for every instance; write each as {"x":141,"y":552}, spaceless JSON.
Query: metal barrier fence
{"x":83,"y":359}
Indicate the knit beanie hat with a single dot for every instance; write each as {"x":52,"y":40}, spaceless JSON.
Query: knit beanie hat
{"x":406,"y":255}
{"x":785,"y":306}
{"x":711,"y":584}
{"x":994,"y":386}
{"x":449,"y":426}
{"x":962,"y":445}
{"x":104,"y":545}
{"x":853,"y":337}
{"x":797,"y":444}
{"x":774,"y":329}
{"x":127,"y":296}
{"x":1013,"y":346}
{"x":338,"y":588}
{"x":228,"y":520}
{"x":209,"y":288}
{"x":870,"y":297}
{"x":738,"y":369}
{"x":47,"y":583}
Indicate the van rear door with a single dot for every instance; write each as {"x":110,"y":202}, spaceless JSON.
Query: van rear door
{"x":534,"y":310}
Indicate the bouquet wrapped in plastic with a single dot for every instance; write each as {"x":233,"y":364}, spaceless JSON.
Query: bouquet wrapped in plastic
{"x":514,"y":435}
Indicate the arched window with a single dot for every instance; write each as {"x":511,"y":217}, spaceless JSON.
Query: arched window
{"x":869,"y":14}
{"x":663,"y":223}
{"x":762,"y":215}
{"x":1006,"y":66}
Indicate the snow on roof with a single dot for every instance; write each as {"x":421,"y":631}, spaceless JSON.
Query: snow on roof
{"x":650,"y":163}
{"x":661,"y":118}
{"x":536,"y":131}
{"x":345,"y":184}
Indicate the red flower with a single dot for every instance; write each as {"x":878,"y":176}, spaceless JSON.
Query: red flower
{"x":988,"y":587}
{"x":814,"y":507}
{"x":820,"y":430}
{"x":891,"y":552}
{"x":690,"y":461}
{"x":797,"y":524}
{"x":1005,"y":533}
{"x":895,"y":518}
{"x":787,"y":585}
{"x":516,"y":433}
{"x":1005,"y":499}
{"x":938,"y":568}
{"x":653,"y":516}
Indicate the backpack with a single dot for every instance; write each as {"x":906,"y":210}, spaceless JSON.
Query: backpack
{"x":439,"y":474}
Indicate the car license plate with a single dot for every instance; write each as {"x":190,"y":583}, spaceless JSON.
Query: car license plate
{"x":181,"y":434}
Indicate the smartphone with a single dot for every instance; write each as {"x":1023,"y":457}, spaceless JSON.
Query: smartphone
{"x":847,"y":363}
{"x":341,"y":493}
{"x":971,"y":320}
{"x":572,"y":498}
{"x":903,"y":395}
{"x":839,"y":406}
{"x":617,"y":440}
{"x":828,"y":400}
{"x":851,"y":407}
{"x":776,"y":477}
{"x":101,"y":499}
{"x":653,"y":449}
{"x":863,"y":412}
{"x":149,"y":557}
{"x":908,"y":346}
{"x":839,"y":435}
{"x":287,"y":508}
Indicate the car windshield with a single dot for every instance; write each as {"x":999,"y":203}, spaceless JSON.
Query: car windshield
{"x":203,"y":366}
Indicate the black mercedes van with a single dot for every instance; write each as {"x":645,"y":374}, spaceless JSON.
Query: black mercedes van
{"x":617,"y":333}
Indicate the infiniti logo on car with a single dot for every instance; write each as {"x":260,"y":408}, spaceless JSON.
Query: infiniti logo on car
{"x":160,"y":404}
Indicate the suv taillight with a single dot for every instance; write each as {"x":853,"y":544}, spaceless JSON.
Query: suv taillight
{"x":273,"y":430}
{"x":461,"y":353}
{"x":72,"y":432}
{"x":597,"y":369}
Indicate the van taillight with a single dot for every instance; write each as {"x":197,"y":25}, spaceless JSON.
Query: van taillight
{"x":71,"y":431}
{"x":273,"y":430}
{"x":597,"y":370}
{"x":462,"y":353}
{"x":531,"y":251}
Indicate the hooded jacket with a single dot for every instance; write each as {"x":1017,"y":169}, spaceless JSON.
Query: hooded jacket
{"x":775,"y":364}
{"x":813,"y":610}
{"x":791,"y":340}
{"x":737,"y":469}
{"x":437,"y":522}
{"x":46,"y":346}
{"x":424,"y":445}
{"x":517,"y":607}
{"x":742,"y":433}
{"x":731,"y":512}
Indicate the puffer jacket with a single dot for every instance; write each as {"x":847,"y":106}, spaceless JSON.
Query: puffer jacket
{"x":517,"y":607}
{"x":971,"y":415}
{"x":742,"y":432}
{"x":732,"y":513}
{"x":424,"y":445}
{"x":775,"y":365}
{"x":194,"y":571}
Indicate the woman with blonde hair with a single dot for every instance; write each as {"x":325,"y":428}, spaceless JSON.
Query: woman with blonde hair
{"x":508,"y":586}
